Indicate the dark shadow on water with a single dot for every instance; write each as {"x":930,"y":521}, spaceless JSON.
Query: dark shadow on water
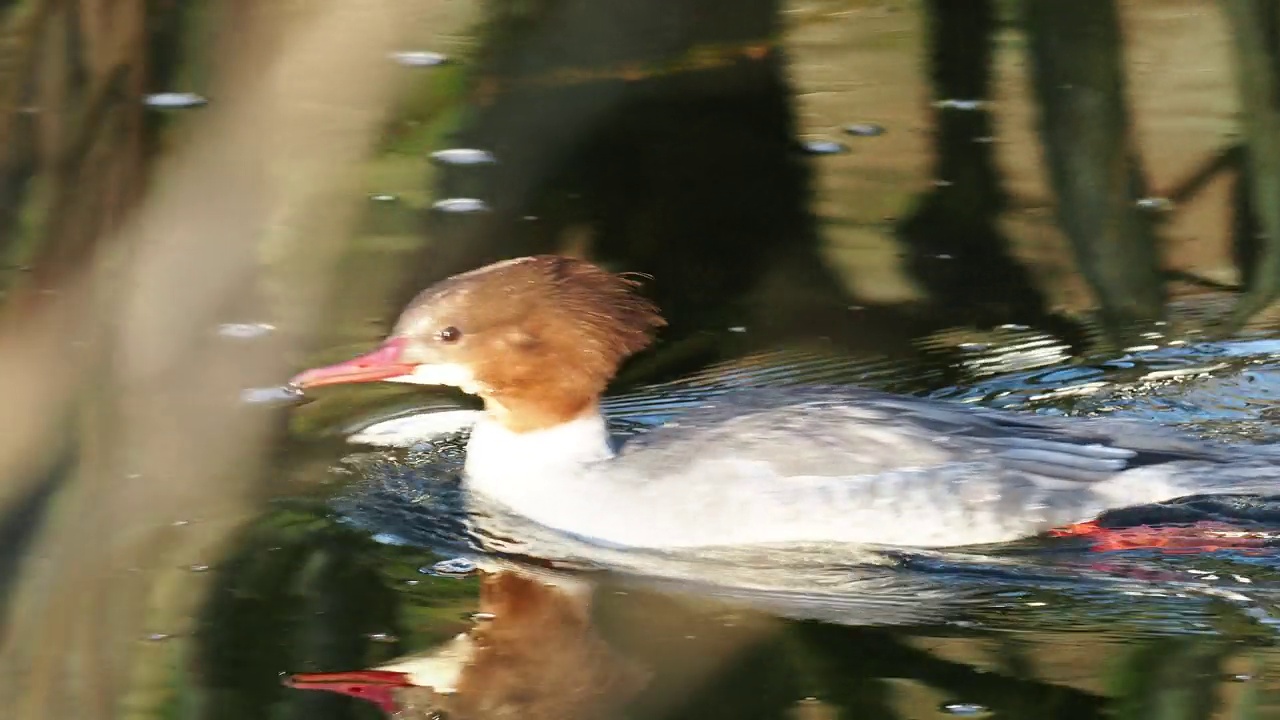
{"x":954,"y":245}
{"x":1094,"y":167}
{"x":691,"y":173}
{"x":874,"y":653}
{"x":705,"y":194}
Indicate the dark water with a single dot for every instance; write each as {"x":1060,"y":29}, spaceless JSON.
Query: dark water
{"x":826,"y":192}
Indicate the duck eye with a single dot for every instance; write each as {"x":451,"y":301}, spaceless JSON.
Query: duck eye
{"x":450,"y":334}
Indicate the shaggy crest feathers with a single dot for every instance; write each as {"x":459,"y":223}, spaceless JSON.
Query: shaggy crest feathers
{"x":609,"y":303}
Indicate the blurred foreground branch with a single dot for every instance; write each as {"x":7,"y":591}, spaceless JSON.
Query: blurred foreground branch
{"x":169,"y":455}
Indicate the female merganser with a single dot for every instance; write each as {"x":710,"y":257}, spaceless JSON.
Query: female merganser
{"x":539,"y":338}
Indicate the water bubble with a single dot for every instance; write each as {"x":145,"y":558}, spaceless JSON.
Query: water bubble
{"x":960,"y":104}
{"x":460,"y":206}
{"x":864,"y":130}
{"x":175,"y":100}
{"x":1154,"y":204}
{"x":463,"y":157}
{"x":275,"y":395}
{"x":823,"y":147}
{"x":419,"y":58}
{"x":963,"y":709}
{"x":384,"y":198}
{"x":456,"y":567}
{"x":245,"y":330}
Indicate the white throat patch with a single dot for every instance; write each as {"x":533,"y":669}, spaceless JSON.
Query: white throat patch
{"x":511,"y":466}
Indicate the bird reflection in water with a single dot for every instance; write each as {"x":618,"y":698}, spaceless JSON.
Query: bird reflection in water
{"x":537,"y":657}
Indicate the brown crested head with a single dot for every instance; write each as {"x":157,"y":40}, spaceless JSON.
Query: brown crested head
{"x":541,"y":335}
{"x":539,"y":338}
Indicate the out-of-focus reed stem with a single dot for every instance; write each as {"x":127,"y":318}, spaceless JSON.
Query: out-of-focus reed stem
{"x":169,"y":457}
